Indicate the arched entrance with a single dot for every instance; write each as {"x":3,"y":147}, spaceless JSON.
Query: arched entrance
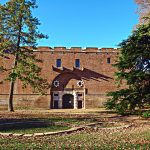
{"x":68,"y":101}
{"x":68,"y":91}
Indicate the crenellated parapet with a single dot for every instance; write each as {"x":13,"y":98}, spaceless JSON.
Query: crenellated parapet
{"x":77,"y":49}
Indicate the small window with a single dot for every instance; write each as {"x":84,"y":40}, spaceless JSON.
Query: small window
{"x":58,"y":63}
{"x":79,"y":94}
{"x":86,"y":91}
{"x":55,"y":94}
{"x":77,"y":63}
{"x":108,"y":60}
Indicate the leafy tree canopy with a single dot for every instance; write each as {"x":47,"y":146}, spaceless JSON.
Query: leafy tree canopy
{"x":133,"y":69}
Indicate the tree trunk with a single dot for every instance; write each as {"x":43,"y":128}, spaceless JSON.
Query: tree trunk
{"x":12,"y":85}
{"x":11,"y":94}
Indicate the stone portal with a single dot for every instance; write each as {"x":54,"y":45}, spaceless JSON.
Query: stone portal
{"x":68,"y":91}
{"x":69,"y":99}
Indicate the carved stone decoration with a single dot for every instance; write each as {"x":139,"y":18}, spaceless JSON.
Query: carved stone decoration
{"x":56,"y":83}
{"x":80,"y":83}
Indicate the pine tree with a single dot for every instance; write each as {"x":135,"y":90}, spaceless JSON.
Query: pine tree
{"x":133,"y":69}
{"x":18,"y":39}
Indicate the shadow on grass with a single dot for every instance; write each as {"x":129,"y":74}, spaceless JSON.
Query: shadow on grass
{"x":23,"y":124}
{"x":39,"y":124}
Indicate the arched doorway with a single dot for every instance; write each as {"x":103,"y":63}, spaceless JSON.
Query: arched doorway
{"x":68,"y":101}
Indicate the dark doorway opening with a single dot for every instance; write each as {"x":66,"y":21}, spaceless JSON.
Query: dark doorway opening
{"x":79,"y":104}
{"x":68,"y":101}
{"x":55,"y":104}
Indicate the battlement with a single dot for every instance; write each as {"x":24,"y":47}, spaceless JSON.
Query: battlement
{"x":77,"y":49}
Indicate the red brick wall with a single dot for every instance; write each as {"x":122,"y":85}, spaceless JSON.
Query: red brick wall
{"x":97,"y":74}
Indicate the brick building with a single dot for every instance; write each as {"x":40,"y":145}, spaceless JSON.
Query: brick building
{"x":79,"y":78}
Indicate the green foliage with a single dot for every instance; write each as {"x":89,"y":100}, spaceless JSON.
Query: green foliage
{"x":137,"y":92}
{"x":18,"y":39}
{"x":146,"y":114}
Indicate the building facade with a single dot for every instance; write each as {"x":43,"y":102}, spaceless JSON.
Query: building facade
{"x":79,"y":78}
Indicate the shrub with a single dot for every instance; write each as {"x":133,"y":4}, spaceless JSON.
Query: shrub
{"x":146,"y":114}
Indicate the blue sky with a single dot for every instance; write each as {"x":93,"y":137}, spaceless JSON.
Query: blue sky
{"x":85,"y":23}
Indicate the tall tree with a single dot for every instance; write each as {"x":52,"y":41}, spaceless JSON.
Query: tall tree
{"x":18,"y":35}
{"x":133,"y":69}
{"x":144,"y":10}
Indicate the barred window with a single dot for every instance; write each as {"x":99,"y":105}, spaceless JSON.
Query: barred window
{"x":108,"y":60}
{"x":58,"y":63}
{"x":77,"y":63}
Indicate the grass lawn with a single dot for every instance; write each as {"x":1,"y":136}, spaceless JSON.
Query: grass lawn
{"x":84,"y":140}
{"x":135,"y":137}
